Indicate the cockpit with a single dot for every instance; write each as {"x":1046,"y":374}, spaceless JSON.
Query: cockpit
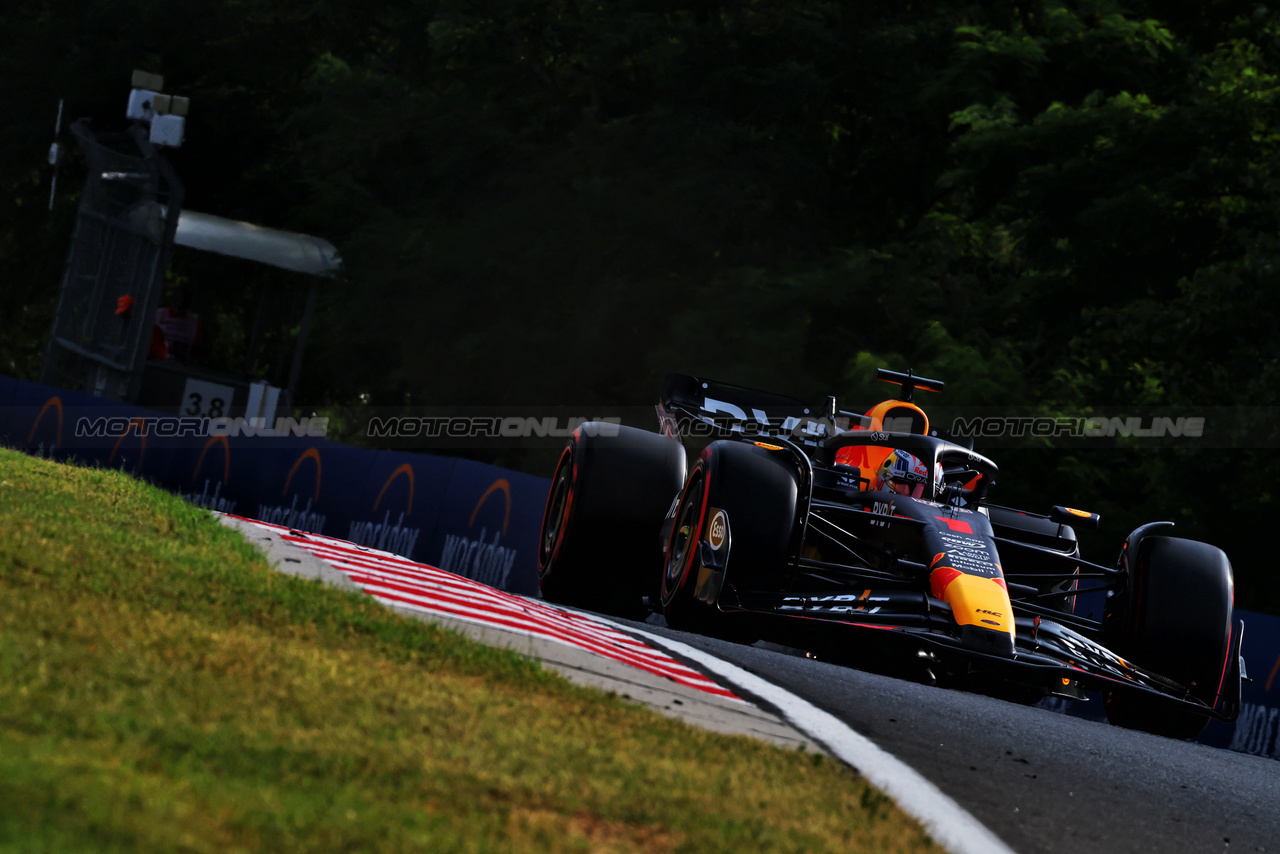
{"x":918,"y":466}
{"x":893,"y":449}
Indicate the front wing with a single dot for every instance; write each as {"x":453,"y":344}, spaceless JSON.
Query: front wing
{"x":1047,"y":654}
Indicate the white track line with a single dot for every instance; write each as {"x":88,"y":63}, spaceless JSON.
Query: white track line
{"x":945,"y":820}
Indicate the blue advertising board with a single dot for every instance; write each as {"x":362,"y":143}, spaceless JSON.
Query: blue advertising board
{"x":42,"y":419}
{"x":309,"y":485}
{"x":489,"y":526}
{"x":8,"y":388}
{"x":400,"y":502}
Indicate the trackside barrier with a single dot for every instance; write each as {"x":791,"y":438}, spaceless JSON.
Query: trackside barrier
{"x":475,"y":520}
{"x":472,"y":519}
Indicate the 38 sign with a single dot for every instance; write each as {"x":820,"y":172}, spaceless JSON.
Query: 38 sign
{"x":205,"y":399}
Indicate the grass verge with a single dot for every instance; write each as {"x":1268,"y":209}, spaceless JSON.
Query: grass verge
{"x":161,"y":688}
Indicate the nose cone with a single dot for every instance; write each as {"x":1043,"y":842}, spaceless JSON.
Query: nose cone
{"x":982,"y":639}
{"x":981,"y":608}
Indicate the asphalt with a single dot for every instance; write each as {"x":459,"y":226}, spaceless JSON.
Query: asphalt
{"x":696,"y":707}
{"x":1043,"y":782}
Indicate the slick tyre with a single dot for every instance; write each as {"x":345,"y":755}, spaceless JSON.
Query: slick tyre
{"x":738,"y":508}
{"x":601,"y":530}
{"x":1175,"y":620}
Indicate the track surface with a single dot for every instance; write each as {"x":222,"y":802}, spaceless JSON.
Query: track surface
{"x":1042,"y":782}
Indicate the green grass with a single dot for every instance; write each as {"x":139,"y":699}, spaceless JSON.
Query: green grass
{"x":161,"y":688}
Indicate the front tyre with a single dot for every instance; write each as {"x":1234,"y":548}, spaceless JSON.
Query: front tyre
{"x":733,"y":527}
{"x":1175,"y":620}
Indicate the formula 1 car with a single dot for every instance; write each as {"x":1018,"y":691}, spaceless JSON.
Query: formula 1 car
{"x":868,"y":538}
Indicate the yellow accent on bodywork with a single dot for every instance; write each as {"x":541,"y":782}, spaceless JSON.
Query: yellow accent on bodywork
{"x":978,"y":601}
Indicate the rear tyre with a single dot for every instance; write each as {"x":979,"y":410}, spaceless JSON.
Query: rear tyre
{"x":1174,"y":619}
{"x":601,"y":530}
{"x":743,"y":498}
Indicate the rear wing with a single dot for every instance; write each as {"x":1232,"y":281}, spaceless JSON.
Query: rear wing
{"x":908,"y":383}
{"x":694,"y":406}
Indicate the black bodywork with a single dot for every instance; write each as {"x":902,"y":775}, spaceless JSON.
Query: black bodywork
{"x":856,"y":571}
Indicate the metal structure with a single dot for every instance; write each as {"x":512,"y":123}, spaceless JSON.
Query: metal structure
{"x":284,"y":250}
{"x":130,"y":219}
{"x":287,"y":250}
{"x":123,"y":237}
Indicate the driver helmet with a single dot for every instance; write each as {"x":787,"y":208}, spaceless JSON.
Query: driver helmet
{"x":903,"y":473}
